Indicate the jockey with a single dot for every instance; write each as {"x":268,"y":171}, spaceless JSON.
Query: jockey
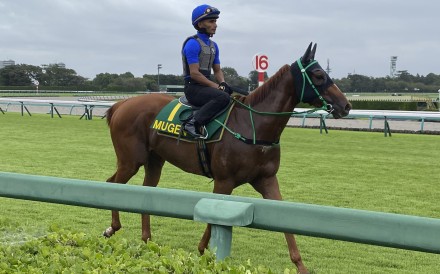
{"x":200,"y":56}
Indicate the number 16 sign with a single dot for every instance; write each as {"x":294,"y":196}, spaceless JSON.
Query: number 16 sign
{"x":260,"y":63}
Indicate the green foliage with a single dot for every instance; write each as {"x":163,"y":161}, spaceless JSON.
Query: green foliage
{"x":125,"y":82}
{"x":165,"y":79}
{"x":86,"y":87}
{"x":253,"y":79}
{"x":20,"y":75}
{"x":382,"y":105}
{"x":234,"y":80}
{"x":103,"y":80}
{"x":51,"y":75}
{"x":405,"y":82}
{"x":62,"y":251}
{"x":17,"y":87}
{"x":377,"y":105}
{"x":54,"y":75}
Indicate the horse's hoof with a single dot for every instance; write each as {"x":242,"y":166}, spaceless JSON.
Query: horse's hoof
{"x":303,"y":270}
{"x":108,"y":232}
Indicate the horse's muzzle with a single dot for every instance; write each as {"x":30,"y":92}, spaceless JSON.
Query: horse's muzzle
{"x":339,"y":112}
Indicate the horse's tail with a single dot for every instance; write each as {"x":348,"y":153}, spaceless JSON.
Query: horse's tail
{"x":111,"y":110}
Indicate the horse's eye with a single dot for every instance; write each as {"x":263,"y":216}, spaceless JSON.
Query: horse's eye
{"x":319,"y":77}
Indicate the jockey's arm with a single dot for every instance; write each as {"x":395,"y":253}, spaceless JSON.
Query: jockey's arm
{"x":218,"y":73}
{"x":197,"y":76}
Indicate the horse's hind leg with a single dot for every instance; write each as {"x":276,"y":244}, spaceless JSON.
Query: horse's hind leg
{"x":153,"y":170}
{"x":269,"y":189}
{"x":122,"y":175}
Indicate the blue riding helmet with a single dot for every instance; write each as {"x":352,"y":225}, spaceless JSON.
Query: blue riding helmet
{"x":204,"y":12}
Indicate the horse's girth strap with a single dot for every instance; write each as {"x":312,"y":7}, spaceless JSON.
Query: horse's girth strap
{"x":204,"y":158}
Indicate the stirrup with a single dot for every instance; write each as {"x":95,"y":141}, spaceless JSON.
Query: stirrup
{"x":194,"y":133}
{"x":206,"y":133}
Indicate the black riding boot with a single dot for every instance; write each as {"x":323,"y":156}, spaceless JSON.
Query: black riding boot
{"x":192,"y":128}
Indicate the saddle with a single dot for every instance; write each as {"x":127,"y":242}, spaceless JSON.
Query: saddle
{"x":169,"y":122}
{"x":170,"y":119}
{"x":184,"y":101}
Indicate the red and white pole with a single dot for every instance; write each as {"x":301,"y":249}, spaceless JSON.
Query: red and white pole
{"x":260,"y":63}
{"x":260,"y":79}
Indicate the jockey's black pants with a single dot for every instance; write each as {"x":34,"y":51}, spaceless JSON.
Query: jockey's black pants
{"x":210,"y":100}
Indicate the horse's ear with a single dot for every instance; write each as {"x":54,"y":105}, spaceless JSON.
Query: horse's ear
{"x":306,"y":57}
{"x":312,"y":54}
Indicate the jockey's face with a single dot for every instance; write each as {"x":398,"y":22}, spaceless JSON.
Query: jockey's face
{"x":210,"y":25}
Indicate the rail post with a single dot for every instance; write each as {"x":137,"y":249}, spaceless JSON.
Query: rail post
{"x":23,"y":108}
{"x":386,"y":127}
{"x":223,"y":215}
{"x":322,"y":124}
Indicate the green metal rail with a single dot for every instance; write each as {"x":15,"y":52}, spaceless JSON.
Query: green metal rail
{"x":419,"y":116}
{"x":374,"y":228}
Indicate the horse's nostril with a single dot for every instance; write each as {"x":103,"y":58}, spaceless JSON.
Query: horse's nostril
{"x":348,"y":107}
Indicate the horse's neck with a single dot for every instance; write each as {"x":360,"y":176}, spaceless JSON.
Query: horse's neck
{"x":280,"y":99}
{"x":276,"y":95}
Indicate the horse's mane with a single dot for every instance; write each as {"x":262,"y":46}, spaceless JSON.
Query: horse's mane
{"x":261,"y":93}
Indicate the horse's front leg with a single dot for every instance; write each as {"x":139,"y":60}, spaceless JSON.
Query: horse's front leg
{"x":205,"y":240}
{"x":115,"y":225}
{"x":146,"y":230}
{"x":220,"y":187}
{"x":295,"y":256}
{"x":269,"y":189}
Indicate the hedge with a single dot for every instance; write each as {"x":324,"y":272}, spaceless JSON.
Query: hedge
{"x":61,"y":251}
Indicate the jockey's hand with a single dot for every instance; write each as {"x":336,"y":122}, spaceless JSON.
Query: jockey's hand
{"x":225,"y":87}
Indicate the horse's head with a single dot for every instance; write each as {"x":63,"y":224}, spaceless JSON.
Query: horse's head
{"x":315,"y":87}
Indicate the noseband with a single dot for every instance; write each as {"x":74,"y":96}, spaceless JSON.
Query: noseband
{"x":309,"y":91}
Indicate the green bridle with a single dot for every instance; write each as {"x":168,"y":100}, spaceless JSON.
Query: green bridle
{"x":306,"y":76}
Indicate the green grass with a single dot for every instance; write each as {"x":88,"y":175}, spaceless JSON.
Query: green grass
{"x":346,"y":169}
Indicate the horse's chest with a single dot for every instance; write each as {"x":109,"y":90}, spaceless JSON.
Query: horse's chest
{"x":265,"y":150}
{"x":264,"y":158}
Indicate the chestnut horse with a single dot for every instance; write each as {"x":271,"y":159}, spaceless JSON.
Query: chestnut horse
{"x":137,"y":144}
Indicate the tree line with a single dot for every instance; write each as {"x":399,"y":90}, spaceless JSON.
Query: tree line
{"x":55,"y":76}
{"x":404,"y":82}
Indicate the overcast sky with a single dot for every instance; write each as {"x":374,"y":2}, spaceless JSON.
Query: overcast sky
{"x":117,"y":36}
